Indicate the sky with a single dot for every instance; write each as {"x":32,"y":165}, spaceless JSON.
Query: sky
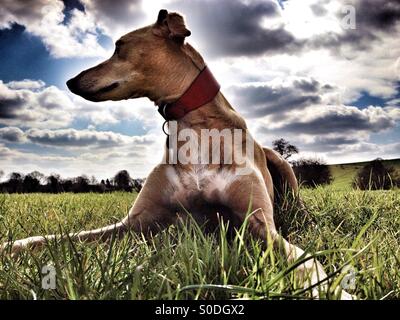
{"x":300,"y":70}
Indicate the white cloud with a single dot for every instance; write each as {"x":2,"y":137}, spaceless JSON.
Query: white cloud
{"x":31,"y":104}
{"x":82,"y":138}
{"x":47,"y":107}
{"x":45,"y":19}
{"x":26,"y":84}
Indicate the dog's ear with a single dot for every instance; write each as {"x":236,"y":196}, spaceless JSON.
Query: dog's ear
{"x":171,"y":25}
{"x":162,"y":15}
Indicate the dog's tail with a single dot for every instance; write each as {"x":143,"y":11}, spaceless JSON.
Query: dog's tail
{"x":281,"y":171}
{"x":286,"y":192}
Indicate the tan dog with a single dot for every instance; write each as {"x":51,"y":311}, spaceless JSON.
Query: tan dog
{"x":156,"y":63}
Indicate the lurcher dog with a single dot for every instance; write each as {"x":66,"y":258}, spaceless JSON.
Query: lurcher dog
{"x":156,"y":62}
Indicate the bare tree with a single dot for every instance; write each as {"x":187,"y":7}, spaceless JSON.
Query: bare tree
{"x":39,"y":176}
{"x":93,"y":180}
{"x":284,"y":148}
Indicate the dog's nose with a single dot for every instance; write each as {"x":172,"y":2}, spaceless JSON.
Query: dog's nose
{"x":72,"y":85}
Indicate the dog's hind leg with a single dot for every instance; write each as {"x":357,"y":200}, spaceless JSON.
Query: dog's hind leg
{"x":149,"y":213}
{"x":261,"y":225}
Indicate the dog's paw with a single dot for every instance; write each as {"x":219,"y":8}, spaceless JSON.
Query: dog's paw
{"x":344,"y":295}
{"x":15,"y":247}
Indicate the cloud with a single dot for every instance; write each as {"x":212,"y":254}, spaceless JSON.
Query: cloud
{"x":32,"y":104}
{"x":44,"y":107}
{"x":26,"y":84}
{"x":277,"y":97}
{"x":82,"y":138}
{"x":45,"y":18}
{"x":75,"y":138}
{"x":319,"y":8}
{"x":343,"y":119}
{"x":294,"y":73}
{"x":116,"y":18}
{"x":235,"y":28}
{"x":374,"y":18}
{"x":383,"y":15}
{"x":12,"y":134}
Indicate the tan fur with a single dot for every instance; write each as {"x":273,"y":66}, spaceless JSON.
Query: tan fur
{"x":151,"y":63}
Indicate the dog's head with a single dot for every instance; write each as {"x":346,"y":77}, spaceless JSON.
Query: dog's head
{"x":145,"y":62}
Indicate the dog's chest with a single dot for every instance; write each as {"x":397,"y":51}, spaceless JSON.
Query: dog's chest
{"x":200,"y":183}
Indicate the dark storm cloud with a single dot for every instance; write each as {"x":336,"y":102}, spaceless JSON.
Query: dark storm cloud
{"x":382,"y":15}
{"x":340,"y":120}
{"x":336,"y":123}
{"x":114,"y":14}
{"x":9,"y":107}
{"x":372,"y":17}
{"x":326,"y":144}
{"x":258,"y":101}
{"x":233,"y":28}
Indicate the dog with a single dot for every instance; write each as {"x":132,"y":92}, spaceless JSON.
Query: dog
{"x":156,"y":62}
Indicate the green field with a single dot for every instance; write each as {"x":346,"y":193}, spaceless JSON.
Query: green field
{"x":343,"y":174}
{"x":355,"y":228}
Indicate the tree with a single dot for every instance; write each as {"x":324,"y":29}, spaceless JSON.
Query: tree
{"x":15,"y":182}
{"x":67,"y":185}
{"x":39,"y":176}
{"x":81,"y":184}
{"x":53,"y":183}
{"x":1,"y":174}
{"x":137,"y":184}
{"x":123,"y":181}
{"x":30,"y":183}
{"x":312,"y":172}
{"x":375,"y":176}
{"x":284,"y":148}
{"x":93,"y":180}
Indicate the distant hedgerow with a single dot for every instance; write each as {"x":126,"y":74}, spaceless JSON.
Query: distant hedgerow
{"x":312,"y":172}
{"x":376,"y":176}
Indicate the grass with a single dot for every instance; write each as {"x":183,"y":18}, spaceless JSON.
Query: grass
{"x":343,"y":174}
{"x":358,"y":229}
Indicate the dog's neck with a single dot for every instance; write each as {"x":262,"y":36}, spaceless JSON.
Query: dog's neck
{"x":217,"y":113}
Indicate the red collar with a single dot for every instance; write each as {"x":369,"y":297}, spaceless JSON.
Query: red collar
{"x":202,"y":90}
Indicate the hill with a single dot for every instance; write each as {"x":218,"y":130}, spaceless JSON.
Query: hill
{"x":343,"y":174}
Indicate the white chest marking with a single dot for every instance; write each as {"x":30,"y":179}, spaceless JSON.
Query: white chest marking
{"x":200,"y":179}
